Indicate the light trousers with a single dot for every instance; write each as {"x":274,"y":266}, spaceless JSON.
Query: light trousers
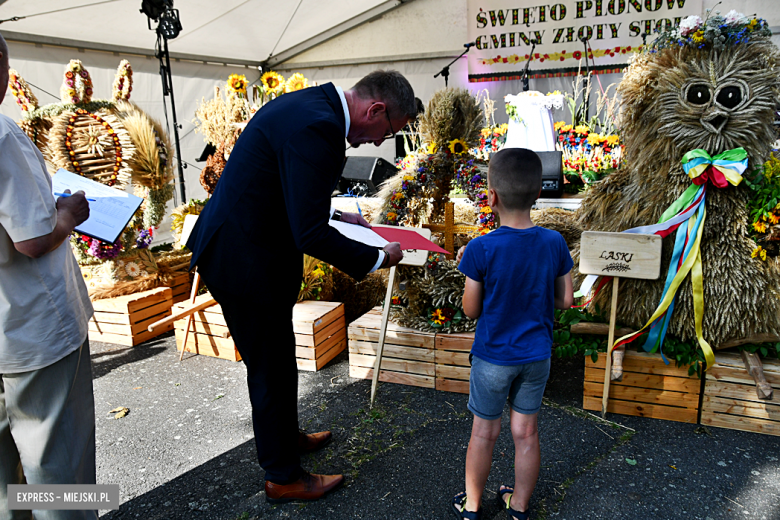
{"x":47,"y":431}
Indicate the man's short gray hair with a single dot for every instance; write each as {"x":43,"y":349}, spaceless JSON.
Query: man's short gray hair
{"x":391,"y":88}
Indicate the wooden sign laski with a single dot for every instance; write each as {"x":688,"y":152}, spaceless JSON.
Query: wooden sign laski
{"x":620,"y":255}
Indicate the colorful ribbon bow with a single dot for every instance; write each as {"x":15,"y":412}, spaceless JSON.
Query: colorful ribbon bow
{"x":686,"y":215}
{"x":724,"y":168}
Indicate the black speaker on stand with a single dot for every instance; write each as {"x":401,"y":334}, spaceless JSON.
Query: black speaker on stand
{"x":362,"y":175}
{"x":552,"y":174}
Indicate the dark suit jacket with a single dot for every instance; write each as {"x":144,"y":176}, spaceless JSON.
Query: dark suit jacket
{"x":272,"y":201}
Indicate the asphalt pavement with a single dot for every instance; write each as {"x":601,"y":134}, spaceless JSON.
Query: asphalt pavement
{"x":186,"y":449}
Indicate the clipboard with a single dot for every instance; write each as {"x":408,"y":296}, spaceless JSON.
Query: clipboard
{"x":111,"y":210}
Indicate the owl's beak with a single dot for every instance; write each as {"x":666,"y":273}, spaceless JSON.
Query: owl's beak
{"x":714,"y":120}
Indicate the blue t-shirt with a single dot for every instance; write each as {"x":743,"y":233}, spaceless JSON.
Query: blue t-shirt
{"x":517,"y":268}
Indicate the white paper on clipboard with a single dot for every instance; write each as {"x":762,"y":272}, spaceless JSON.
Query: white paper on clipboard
{"x":109,"y":213}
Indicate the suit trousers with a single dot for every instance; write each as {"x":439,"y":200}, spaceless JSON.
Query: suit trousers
{"x":47,"y":430}
{"x":263,"y":333}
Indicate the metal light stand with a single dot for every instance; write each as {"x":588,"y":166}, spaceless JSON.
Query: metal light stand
{"x":164,"y":56}
{"x":527,"y":64}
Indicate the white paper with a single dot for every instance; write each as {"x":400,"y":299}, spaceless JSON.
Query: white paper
{"x":186,"y":229}
{"x":109,"y":213}
{"x":358,"y":233}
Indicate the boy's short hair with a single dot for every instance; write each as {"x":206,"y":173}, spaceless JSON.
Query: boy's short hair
{"x":516,"y":175}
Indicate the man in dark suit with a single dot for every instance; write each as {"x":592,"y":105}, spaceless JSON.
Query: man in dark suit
{"x":271,"y":205}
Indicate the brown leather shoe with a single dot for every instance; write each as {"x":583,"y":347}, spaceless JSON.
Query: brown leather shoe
{"x":308,"y":442}
{"x":308,"y":487}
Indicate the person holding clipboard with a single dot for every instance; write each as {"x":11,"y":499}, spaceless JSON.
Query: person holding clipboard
{"x":47,"y":410}
{"x":271,"y":206}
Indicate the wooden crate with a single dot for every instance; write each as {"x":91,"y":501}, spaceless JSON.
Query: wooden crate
{"x":649,"y":388}
{"x":408,"y":357}
{"x":730,"y":399}
{"x":124,"y":320}
{"x":209,"y":335}
{"x":181,"y":286}
{"x":320,"y":333}
{"x":452,"y":361}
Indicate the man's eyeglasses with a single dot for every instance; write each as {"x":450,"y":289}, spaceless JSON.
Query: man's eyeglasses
{"x":391,"y":134}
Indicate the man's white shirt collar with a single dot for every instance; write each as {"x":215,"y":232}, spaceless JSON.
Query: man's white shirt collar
{"x":346,"y":109}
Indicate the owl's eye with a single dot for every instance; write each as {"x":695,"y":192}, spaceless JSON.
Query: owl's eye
{"x":729,"y":97}
{"x":698,"y":94}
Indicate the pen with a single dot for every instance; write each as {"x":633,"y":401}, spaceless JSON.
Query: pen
{"x":68,"y":195}
{"x":360,"y":212}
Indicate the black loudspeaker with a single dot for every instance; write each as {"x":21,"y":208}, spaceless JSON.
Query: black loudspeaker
{"x":552,"y":174}
{"x":362,"y":175}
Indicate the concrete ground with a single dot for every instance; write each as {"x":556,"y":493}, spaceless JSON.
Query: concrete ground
{"x":186,"y":449}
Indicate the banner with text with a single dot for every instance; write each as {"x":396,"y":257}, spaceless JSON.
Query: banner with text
{"x":505,"y":32}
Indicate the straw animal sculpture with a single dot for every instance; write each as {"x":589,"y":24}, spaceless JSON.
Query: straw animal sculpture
{"x":660,"y":125}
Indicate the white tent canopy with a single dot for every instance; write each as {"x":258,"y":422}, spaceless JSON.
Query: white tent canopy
{"x":326,"y":40}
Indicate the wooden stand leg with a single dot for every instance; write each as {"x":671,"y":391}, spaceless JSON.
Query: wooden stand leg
{"x":755,"y":369}
{"x":610,"y":341}
{"x":382,"y":332}
{"x":193,"y":294}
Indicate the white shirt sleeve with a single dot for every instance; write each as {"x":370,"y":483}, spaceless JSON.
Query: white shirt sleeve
{"x":379,"y":261}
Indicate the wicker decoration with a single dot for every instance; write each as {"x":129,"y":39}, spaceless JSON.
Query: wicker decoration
{"x":77,"y":85}
{"x":94,"y":145}
{"x":123,"y":82}
{"x":677,"y":99}
{"x":116,"y":143}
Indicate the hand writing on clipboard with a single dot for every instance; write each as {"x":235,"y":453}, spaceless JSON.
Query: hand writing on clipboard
{"x":75,"y":205}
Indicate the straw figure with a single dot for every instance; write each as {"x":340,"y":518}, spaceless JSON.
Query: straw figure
{"x":429,"y":298}
{"x":115,"y":143}
{"x":710,"y":85}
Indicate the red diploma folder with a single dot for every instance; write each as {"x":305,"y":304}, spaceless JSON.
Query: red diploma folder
{"x":408,"y":239}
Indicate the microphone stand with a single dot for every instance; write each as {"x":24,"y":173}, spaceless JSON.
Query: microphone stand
{"x":586,"y":97}
{"x":445,"y":72}
{"x":527,"y":63}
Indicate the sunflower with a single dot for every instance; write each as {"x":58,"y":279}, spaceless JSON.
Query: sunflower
{"x":759,"y":226}
{"x":296,"y":82}
{"x":458,"y":146}
{"x":237,"y":83}
{"x":273,"y":82}
{"x":612,"y":140}
{"x":432,"y":148}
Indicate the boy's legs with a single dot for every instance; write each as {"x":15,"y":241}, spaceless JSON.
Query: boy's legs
{"x":479,"y":457}
{"x":527,"y":457}
{"x":525,"y":398}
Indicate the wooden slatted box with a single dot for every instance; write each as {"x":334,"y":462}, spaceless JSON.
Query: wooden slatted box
{"x":408,"y":357}
{"x":209,"y":335}
{"x":649,"y":388}
{"x":320,"y":333}
{"x":452,"y":361}
{"x":180,"y":286}
{"x":124,"y":320}
{"x":730,"y":399}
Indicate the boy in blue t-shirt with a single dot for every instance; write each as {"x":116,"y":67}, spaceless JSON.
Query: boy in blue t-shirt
{"x":515,"y":277}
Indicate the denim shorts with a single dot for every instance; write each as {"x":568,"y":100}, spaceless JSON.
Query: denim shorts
{"x":490,"y":385}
